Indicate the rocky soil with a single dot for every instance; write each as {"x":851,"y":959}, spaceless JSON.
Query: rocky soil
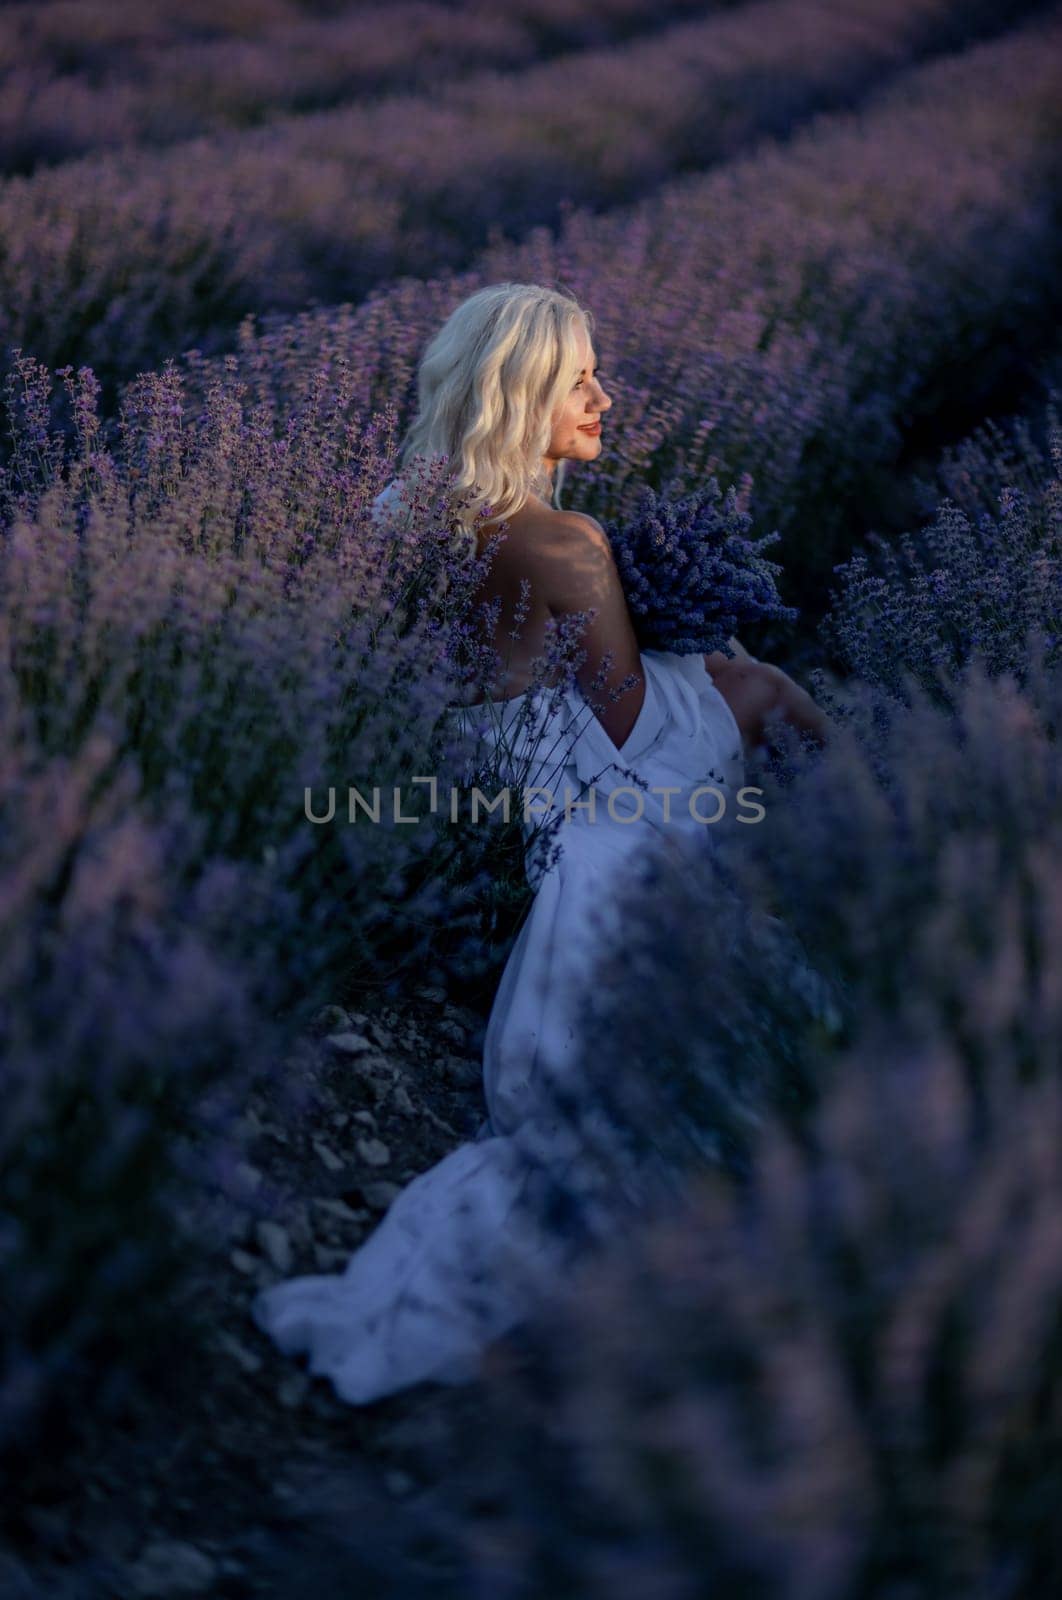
{"x":264,"y":1483}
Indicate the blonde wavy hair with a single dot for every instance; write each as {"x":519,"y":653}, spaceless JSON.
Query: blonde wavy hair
{"x":487,"y":386}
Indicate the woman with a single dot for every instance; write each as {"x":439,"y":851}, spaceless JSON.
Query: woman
{"x":509,"y":389}
{"x":509,"y":392}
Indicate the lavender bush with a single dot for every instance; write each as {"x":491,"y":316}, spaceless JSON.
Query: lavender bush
{"x":977,"y":582}
{"x":213,"y":586}
{"x":119,"y":260}
{"x":690,"y":573}
{"x":840,"y":1382}
{"x":127,"y":1037}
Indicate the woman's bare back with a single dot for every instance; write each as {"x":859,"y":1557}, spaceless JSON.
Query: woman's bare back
{"x":513,"y":559}
{"x":566,"y":560}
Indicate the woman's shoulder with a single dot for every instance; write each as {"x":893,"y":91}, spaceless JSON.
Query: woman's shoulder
{"x":570,"y":553}
{"x":542,"y":532}
{"x":565,"y":555}
{"x":577,"y":525}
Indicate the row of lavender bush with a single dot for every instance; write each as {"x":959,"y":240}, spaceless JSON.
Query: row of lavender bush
{"x":782,"y":322}
{"x":195,"y":626}
{"x":94,"y":74}
{"x":118,"y":260}
{"x":821,"y":1359}
{"x":87,"y":36}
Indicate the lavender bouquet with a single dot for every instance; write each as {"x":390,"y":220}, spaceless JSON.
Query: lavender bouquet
{"x":691,"y":574}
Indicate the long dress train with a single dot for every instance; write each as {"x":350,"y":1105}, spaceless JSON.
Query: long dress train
{"x":463,"y":1253}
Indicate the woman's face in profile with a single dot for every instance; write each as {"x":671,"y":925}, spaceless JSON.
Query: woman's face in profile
{"x":576,"y":431}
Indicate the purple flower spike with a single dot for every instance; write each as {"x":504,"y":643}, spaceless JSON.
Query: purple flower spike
{"x":690,"y":572}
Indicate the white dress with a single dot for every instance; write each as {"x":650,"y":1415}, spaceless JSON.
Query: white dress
{"x":462,"y":1254}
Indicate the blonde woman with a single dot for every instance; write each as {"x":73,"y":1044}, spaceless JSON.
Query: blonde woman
{"x":510,"y":393}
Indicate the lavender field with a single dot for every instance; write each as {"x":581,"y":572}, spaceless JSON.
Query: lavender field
{"x":820,"y":1357}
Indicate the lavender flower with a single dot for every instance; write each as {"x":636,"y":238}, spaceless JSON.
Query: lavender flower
{"x":691,"y":574}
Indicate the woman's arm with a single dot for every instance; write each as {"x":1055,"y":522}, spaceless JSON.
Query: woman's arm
{"x":717,"y":661}
{"x":577,"y":572}
{"x":756,"y":691}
